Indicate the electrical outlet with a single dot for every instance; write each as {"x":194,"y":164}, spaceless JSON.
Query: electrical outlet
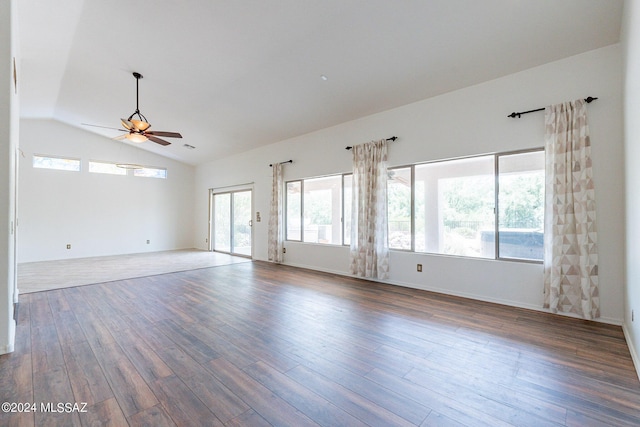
{"x":284,"y":250}
{"x":68,"y":246}
{"x":419,"y":268}
{"x":258,"y":218}
{"x":148,"y":241}
{"x":206,"y":240}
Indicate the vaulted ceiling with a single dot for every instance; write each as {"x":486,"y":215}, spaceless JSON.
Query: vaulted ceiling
{"x":235,"y":75}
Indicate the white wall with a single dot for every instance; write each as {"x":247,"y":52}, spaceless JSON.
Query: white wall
{"x":461,"y":123}
{"x":9,"y":126}
{"x":631,"y":44}
{"x":98,"y":214}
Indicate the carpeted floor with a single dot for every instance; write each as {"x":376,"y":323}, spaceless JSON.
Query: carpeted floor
{"x":47,"y":275}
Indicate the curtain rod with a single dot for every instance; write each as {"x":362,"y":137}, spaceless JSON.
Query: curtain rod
{"x":281,"y":163}
{"x":513,"y":115}
{"x":393,"y":138}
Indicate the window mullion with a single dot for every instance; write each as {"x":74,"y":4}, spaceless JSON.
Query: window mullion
{"x":342,"y":221}
{"x":413,"y":209}
{"x":496,"y":209}
{"x":302,"y":210}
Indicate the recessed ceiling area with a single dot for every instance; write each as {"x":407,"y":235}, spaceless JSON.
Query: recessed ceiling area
{"x":233,"y":76}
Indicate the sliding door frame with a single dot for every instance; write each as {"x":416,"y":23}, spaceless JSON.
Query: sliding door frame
{"x":212,"y":212}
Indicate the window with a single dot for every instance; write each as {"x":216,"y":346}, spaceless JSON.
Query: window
{"x":58,"y":163}
{"x":151,"y":172}
{"x":347,"y":195}
{"x":108,"y":168}
{"x":294,"y":210}
{"x":451,"y":208}
{"x":399,"y":208}
{"x":520,"y":206}
{"x":314,"y":210}
{"x":322,"y":210}
{"x":455,"y":202}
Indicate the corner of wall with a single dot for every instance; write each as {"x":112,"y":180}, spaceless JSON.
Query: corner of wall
{"x":632,"y":349}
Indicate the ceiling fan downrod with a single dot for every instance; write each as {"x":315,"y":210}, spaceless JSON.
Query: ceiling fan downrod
{"x":145,"y":123}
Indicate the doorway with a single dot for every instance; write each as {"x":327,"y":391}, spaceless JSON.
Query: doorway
{"x":232,"y":223}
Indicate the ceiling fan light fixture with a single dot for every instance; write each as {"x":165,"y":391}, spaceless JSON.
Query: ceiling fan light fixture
{"x":126,"y":123}
{"x":136,"y":137}
{"x":140,"y":124}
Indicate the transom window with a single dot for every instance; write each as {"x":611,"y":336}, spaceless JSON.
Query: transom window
{"x":58,"y":163}
{"x":149,"y":172}
{"x":107,"y":168}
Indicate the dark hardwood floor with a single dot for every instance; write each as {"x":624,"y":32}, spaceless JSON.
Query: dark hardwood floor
{"x":260,"y":344}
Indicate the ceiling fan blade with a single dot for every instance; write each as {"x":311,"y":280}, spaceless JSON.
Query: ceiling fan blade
{"x":165,"y":134}
{"x":104,"y":127}
{"x":158,"y":140}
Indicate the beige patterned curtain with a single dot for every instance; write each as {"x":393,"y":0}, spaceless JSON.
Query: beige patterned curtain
{"x":276,"y":223}
{"x":570,"y":242}
{"x":369,"y":247}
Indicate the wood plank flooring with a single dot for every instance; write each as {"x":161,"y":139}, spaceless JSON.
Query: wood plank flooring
{"x":258,"y":344}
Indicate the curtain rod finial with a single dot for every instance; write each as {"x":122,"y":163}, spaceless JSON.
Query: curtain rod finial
{"x":282,"y":163}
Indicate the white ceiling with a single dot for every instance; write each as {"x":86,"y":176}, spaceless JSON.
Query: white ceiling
{"x":234,"y":75}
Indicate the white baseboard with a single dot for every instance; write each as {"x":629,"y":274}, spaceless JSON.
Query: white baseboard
{"x":324,"y":270}
{"x":506,"y":302}
{"x":470,"y":296}
{"x":607,"y":320}
{"x":426,"y":288}
{"x":632,"y":349}
{"x":6,"y":349}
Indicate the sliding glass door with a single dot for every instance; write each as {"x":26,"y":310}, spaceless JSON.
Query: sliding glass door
{"x":221,"y":222}
{"x":241,"y":227}
{"x":232,"y":222}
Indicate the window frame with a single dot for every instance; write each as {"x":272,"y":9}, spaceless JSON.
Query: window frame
{"x":343,"y":219}
{"x":286,"y":211}
{"x":497,"y":205}
{"x":442,"y":161}
{"x":312,"y":182}
{"x":496,"y":156}
{"x":412,"y":221}
{"x":302,"y":210}
{"x":496,"y":176}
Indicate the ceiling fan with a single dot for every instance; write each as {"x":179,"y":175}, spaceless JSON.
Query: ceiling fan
{"x":137,"y":127}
